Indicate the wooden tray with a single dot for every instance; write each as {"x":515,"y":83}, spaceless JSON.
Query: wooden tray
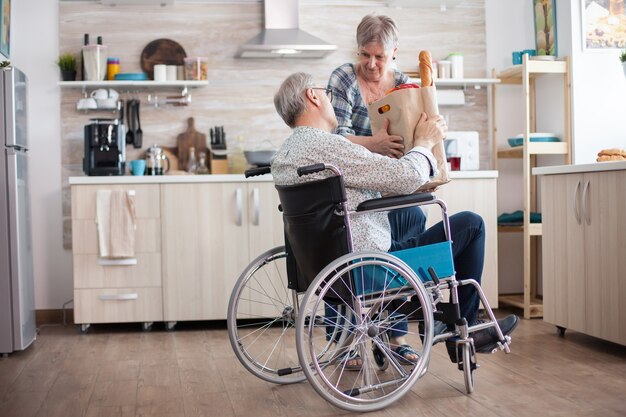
{"x":161,"y":51}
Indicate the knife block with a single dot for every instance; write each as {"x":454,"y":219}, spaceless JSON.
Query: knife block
{"x":219,"y":164}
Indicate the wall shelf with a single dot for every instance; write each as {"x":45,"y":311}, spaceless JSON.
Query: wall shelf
{"x":146,"y":83}
{"x":455,"y":82}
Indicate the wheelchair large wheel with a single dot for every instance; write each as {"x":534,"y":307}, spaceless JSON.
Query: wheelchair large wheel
{"x":368,"y":320}
{"x":261,"y":319}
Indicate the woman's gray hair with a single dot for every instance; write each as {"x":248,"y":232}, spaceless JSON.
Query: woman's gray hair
{"x":377,"y":29}
{"x":290,"y":100}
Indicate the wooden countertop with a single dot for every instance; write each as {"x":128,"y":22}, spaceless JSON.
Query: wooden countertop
{"x":182,"y":179}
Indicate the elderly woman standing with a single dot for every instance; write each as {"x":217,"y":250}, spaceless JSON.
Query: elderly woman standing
{"x":354,"y":86}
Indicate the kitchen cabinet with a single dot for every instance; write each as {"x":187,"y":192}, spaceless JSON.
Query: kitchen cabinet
{"x":475,"y":191}
{"x":116,"y":291}
{"x":526,"y":74}
{"x":211,"y":232}
{"x":196,"y":234}
{"x":584,"y":268}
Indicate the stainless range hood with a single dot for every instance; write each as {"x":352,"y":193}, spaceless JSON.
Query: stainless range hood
{"x":282,"y":37}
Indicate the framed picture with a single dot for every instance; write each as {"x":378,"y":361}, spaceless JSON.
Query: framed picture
{"x":544,"y":12}
{"x":603,"y":23}
{"x":5,"y":28}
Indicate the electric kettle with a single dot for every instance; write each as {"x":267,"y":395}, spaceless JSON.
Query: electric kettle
{"x":154,"y":161}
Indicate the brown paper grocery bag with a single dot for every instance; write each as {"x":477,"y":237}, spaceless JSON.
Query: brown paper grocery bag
{"x":403,"y":108}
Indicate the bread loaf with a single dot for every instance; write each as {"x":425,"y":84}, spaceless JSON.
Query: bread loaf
{"x":613,"y":151}
{"x":426,"y":68}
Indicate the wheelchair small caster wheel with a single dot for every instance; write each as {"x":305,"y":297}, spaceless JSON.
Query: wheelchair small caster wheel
{"x":84,"y":328}
{"x":146,"y":326}
{"x":560,"y":331}
{"x":169,"y":326}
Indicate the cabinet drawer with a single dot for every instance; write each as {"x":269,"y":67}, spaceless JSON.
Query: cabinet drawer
{"x":147,"y":199}
{"x":118,"y":305}
{"x":88,"y":273}
{"x":85,"y":236}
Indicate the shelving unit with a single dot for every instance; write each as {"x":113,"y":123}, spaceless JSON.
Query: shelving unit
{"x":525,"y":75}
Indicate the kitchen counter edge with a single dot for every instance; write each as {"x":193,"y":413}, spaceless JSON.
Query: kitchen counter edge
{"x":573,"y":169}
{"x":182,"y":179}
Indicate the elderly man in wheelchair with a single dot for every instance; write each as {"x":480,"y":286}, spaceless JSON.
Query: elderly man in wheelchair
{"x":342,"y":294}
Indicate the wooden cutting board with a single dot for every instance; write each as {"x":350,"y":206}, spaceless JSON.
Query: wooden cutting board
{"x":161,"y":51}
{"x":184,"y":141}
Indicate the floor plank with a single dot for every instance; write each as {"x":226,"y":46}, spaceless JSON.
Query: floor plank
{"x":118,"y":370}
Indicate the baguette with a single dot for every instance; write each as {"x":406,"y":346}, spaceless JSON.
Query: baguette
{"x":426,"y":68}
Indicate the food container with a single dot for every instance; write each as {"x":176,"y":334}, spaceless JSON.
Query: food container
{"x":444,"y":69}
{"x":456,"y":60}
{"x":196,"y":68}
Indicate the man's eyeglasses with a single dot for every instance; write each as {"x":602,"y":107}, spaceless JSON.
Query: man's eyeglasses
{"x":328,"y":92}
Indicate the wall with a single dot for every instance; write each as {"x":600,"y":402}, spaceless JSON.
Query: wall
{"x":239,"y":96}
{"x":35,"y":52}
{"x":599,"y":88}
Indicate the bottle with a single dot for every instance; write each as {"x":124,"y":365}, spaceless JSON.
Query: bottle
{"x":202,"y":168}
{"x":237,"y":158}
{"x":191,"y":163}
{"x":83,"y":76}
{"x":104,"y":75}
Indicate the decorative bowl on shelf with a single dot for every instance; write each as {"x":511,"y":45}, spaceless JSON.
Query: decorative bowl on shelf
{"x":534,"y":137}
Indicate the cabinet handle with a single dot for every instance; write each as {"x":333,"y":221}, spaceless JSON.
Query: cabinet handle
{"x":119,"y":297}
{"x":255,"y":206}
{"x":239,"y":203}
{"x":586,"y":214}
{"x":575,"y":202}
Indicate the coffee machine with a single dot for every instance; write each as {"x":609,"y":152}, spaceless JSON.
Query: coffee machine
{"x":105,"y":148}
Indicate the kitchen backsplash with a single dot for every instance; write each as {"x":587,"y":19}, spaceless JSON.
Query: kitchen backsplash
{"x":240,"y":91}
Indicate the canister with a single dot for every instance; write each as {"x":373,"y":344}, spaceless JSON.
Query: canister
{"x":113,"y":67}
{"x":456,"y":59}
{"x":444,"y":68}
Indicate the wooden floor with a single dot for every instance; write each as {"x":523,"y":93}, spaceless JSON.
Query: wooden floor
{"x":122,"y":371}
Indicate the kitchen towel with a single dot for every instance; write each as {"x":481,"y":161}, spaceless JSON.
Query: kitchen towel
{"x":116,"y":222}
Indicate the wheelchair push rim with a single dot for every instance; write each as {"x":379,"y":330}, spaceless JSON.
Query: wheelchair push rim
{"x":261,"y":320}
{"x":371,"y":387}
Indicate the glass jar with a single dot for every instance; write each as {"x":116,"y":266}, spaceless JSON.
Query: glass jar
{"x":191,"y":162}
{"x":202,"y":167}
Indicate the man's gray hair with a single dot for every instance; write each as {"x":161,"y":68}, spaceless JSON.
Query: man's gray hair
{"x":377,"y":29}
{"x":290,"y":100}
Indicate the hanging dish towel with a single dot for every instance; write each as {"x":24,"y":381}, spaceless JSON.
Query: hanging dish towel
{"x":115,"y":219}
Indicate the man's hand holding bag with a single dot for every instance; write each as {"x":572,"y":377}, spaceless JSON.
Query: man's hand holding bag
{"x":413,"y":113}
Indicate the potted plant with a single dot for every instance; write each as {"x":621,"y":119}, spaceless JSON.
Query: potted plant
{"x":67,"y":65}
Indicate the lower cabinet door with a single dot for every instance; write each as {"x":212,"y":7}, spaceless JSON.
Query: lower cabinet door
{"x":118,"y":305}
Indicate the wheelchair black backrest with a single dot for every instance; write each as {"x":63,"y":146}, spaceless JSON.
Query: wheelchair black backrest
{"x":315,"y":228}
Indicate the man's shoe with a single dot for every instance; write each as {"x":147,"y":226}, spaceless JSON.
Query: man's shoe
{"x":486,"y":340}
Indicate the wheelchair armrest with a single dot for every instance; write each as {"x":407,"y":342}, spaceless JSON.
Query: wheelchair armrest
{"x":395,"y":201}
{"x":253,"y":172}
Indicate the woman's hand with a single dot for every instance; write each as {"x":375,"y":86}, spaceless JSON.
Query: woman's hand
{"x":385,"y":144}
{"x":430,"y":131}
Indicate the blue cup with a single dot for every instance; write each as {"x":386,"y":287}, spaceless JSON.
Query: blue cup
{"x":530,"y":52}
{"x":517,"y":57}
{"x":138,"y":166}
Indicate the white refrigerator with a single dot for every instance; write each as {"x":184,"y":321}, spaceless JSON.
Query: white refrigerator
{"x":17,"y":296}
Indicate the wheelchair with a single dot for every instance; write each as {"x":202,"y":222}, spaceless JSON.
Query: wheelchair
{"x":303,"y":311}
